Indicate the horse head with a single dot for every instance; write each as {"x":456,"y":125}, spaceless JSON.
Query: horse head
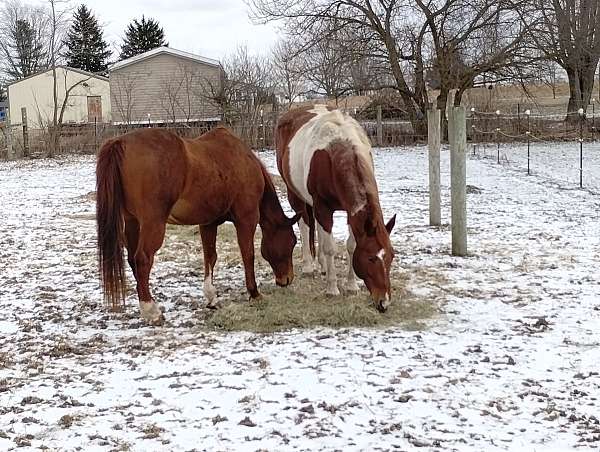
{"x":372,"y":260}
{"x":277,"y":247}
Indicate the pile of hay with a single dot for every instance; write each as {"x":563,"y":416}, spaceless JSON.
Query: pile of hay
{"x":303,"y":304}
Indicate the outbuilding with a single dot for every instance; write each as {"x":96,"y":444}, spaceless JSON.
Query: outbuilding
{"x":165,"y":85}
{"x":85,"y":97}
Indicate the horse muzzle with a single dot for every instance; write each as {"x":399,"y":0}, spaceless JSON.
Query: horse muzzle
{"x":286,"y":280}
{"x":382,"y":303}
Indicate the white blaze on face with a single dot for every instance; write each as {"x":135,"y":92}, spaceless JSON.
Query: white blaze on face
{"x":325,"y":127}
{"x":381,"y":254}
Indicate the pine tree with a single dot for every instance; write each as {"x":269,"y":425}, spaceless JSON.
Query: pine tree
{"x":24,"y":50}
{"x":86,"y":47}
{"x":141,"y":37}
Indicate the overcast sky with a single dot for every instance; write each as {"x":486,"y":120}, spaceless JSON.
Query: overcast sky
{"x":211,"y":28}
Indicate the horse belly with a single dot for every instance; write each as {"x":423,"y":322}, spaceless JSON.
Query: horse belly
{"x":185,"y":212}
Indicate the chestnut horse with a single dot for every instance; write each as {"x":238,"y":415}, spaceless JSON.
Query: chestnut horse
{"x":150,"y":177}
{"x":325,"y":160}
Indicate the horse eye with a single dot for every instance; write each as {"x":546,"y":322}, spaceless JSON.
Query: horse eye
{"x":373,"y":259}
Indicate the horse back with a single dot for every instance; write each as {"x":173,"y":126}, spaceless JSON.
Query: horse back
{"x":318,"y":148}
{"x":154,"y":167}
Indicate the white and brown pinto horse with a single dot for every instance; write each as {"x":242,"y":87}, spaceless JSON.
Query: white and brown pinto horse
{"x":325,"y":159}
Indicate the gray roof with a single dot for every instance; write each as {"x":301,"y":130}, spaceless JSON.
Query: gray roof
{"x":72,"y":69}
{"x":165,"y":50}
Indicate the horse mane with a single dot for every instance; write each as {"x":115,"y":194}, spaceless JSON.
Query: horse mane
{"x":270,"y":207}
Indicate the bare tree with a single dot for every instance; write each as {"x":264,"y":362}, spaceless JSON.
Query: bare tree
{"x":547,"y":73}
{"x":245,"y":90}
{"x":169,"y":97}
{"x":123,"y":95}
{"x":471,"y":43}
{"x":569,"y":34}
{"x":326,"y":65}
{"x":24,"y":32}
{"x":378,"y":21}
{"x":288,"y":74}
{"x":460,"y":39}
{"x":189,"y":103}
{"x":58,"y":25}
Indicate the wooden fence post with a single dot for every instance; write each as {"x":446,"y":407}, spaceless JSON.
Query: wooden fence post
{"x":457,"y":132}
{"x":379,"y":126}
{"x":9,"y":143}
{"x":433,"y":141}
{"x":25,"y":132}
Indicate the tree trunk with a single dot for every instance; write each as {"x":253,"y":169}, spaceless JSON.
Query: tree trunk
{"x":418,"y":124}
{"x":581,"y":84}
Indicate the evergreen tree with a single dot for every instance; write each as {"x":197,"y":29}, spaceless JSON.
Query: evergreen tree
{"x":141,"y":37}
{"x":86,"y":47}
{"x":24,"y":51}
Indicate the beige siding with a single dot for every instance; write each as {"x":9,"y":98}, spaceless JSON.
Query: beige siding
{"x":36,"y":95}
{"x":166,"y":87}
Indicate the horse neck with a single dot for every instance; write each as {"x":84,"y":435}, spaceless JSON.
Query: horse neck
{"x":271,"y":212}
{"x":371,"y":211}
{"x":355,"y":178}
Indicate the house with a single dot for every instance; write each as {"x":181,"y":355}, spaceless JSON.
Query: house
{"x":87,"y":97}
{"x":165,"y":85}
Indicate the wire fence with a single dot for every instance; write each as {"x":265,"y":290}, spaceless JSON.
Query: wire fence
{"x":560,"y":149}
{"x":383,"y":128}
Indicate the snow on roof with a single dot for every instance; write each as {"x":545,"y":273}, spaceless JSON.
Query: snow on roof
{"x":161,"y":50}
{"x":67,"y":68}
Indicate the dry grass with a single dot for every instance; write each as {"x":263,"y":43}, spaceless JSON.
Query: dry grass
{"x":304,"y":304}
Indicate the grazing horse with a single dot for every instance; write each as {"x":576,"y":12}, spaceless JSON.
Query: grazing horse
{"x":150,"y":177}
{"x":325,"y":160}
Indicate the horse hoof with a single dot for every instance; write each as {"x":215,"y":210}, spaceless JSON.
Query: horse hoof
{"x":151,"y":313}
{"x":158,"y":321}
{"x":258,"y":297}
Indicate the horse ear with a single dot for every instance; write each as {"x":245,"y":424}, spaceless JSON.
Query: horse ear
{"x":292,"y":221}
{"x":369,"y":227}
{"x":390,"y":224}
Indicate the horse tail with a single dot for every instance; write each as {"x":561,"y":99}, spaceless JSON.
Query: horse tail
{"x":311,"y":230}
{"x":110,"y":223}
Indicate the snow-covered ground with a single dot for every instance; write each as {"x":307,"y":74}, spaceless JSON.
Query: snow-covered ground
{"x":511,"y":363}
{"x":558,"y":163}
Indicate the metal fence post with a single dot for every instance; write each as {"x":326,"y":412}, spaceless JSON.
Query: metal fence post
{"x":580,"y":148}
{"x":498,"y":133}
{"x":528,"y":133}
{"x":379,"y":126}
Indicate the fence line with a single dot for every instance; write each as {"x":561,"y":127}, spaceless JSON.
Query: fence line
{"x":382,"y":128}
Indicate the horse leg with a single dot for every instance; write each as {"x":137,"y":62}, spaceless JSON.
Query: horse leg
{"x":132,"y":230}
{"x":351,"y":285}
{"x":299,"y":206}
{"x":208,"y":234}
{"x":151,"y":236}
{"x":245,"y":235}
{"x":327,"y":247}
{"x":308,"y":263}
